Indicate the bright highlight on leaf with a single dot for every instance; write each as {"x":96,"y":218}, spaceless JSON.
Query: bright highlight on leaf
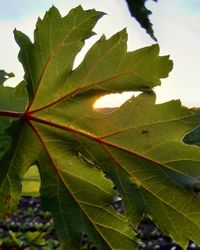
{"x":84,"y":157}
{"x":112,"y":100}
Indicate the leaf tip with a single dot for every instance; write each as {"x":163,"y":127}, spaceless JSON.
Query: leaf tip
{"x":166,"y":64}
{"x":16,"y":32}
{"x":53,"y":9}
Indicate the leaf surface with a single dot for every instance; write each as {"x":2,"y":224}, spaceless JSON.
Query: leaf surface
{"x":83,"y":155}
{"x":14,"y":99}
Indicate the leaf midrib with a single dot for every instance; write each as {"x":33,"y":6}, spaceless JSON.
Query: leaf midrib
{"x":50,"y":58}
{"x":145,"y":125}
{"x":98,"y":83}
{"x":66,"y":185}
{"x":103,"y":142}
{"x":153,"y":194}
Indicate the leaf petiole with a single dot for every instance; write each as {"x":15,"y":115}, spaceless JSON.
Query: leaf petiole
{"x":11,"y":113}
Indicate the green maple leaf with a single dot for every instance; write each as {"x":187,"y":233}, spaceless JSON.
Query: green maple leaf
{"x":82,"y":154}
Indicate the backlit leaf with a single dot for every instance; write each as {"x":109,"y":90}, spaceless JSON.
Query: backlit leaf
{"x":85,"y":157}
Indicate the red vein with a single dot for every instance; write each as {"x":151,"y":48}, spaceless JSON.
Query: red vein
{"x":139,"y":126}
{"x":29,"y":117}
{"x":167,"y":203}
{"x":102,"y":142}
{"x":79,"y":90}
{"x":10,"y":113}
{"x":57,"y":170}
{"x":101,"y":58}
{"x":83,"y":133}
{"x":52,"y":55}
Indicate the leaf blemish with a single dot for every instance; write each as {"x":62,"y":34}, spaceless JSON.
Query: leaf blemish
{"x":143,"y":132}
{"x":56,"y":169}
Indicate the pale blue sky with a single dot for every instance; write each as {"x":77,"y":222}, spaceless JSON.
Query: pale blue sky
{"x":176,"y":24}
{"x":18,"y":10}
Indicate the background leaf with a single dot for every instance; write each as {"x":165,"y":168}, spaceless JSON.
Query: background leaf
{"x":193,"y":137}
{"x":31,"y":182}
{"x":14,"y":163}
{"x":4,"y":76}
{"x":14,"y":99}
{"x":141,"y":13}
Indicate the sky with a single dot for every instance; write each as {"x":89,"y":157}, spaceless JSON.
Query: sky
{"x":176,"y":25}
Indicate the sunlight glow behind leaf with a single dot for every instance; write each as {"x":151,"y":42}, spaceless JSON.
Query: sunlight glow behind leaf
{"x":113,"y":100}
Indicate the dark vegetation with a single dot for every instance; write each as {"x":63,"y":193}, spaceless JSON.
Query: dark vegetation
{"x":29,"y":228}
